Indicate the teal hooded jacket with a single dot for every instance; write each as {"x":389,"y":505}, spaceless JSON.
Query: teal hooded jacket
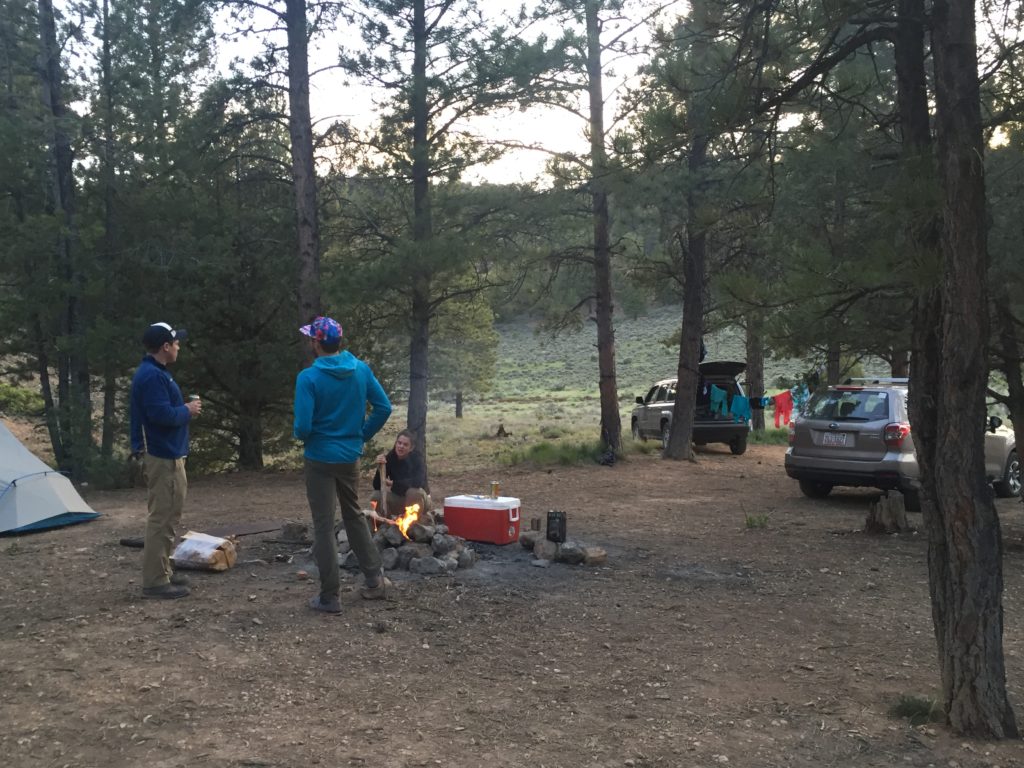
{"x":330,"y":408}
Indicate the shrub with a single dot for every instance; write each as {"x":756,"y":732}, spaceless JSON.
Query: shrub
{"x":565,"y":454}
{"x":757,"y":521}
{"x":551,"y":432}
{"x":917,"y":709}
{"x":111,"y":472}
{"x":18,"y":401}
{"x":769,"y":436}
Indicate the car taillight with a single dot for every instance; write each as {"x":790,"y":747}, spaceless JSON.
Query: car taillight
{"x":894,"y":434}
{"x":792,"y":433}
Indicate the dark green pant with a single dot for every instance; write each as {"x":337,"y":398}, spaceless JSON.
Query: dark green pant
{"x":324,"y":484}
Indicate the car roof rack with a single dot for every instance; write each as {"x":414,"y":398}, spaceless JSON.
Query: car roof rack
{"x":878,"y":380}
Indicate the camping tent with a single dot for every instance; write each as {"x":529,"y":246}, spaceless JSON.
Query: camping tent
{"x":33,"y":496}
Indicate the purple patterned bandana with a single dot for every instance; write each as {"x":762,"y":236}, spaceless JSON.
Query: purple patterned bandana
{"x":322,"y":329}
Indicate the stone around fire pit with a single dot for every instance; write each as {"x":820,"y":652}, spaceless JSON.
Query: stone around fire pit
{"x":428,"y":550}
{"x":546,"y":552}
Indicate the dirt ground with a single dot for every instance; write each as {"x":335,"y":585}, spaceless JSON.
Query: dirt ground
{"x":702,"y":642}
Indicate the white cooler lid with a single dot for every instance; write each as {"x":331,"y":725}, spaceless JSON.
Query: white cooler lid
{"x":481,"y":502}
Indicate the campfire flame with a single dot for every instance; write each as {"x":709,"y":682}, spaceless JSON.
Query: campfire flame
{"x":412,"y":514}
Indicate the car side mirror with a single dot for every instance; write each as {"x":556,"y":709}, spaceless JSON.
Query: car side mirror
{"x":994,"y":423}
{"x":639,"y":401}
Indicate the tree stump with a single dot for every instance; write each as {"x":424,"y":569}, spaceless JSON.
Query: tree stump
{"x":887,"y":515}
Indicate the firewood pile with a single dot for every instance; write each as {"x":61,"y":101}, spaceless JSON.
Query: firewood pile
{"x":428,"y":550}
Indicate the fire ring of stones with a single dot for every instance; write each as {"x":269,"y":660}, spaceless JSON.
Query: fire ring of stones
{"x":428,"y":550}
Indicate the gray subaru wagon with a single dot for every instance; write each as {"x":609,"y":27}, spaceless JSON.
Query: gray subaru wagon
{"x":858,"y":434}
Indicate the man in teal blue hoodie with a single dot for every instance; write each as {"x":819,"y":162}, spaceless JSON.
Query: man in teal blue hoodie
{"x":331,"y":419}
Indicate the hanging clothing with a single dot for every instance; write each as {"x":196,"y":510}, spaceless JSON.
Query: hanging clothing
{"x":783,"y":408}
{"x":719,"y":401}
{"x":740,"y":408}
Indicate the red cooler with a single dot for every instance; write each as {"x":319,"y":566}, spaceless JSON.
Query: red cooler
{"x":481,"y":518}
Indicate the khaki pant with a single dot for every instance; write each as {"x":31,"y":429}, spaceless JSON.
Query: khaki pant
{"x":167,"y":487}
{"x":326,"y":483}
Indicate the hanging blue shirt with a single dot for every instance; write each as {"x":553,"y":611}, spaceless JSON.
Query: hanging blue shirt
{"x":719,"y":400}
{"x":740,"y":408}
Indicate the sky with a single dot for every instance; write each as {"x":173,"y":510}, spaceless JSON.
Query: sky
{"x":554,"y":129}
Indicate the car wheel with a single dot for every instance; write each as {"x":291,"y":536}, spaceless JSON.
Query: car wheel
{"x":815,"y":489}
{"x":666,"y":430}
{"x":738,"y":446}
{"x":1009,"y":485}
{"x":911,"y":501}
{"x":636,"y":432}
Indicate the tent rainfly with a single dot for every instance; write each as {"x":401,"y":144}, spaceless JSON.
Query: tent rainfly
{"x":33,"y":496}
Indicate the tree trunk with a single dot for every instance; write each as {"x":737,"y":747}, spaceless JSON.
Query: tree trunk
{"x":694,"y":266}
{"x":899,"y":363}
{"x":419,"y":365}
{"x":250,"y":436}
{"x":968,"y":579}
{"x":300,"y":129}
{"x":458,"y":405}
{"x":755,"y":367}
{"x":109,"y":239}
{"x":75,"y":402}
{"x":611,"y":421}
{"x":422,"y":233}
{"x":833,"y":362}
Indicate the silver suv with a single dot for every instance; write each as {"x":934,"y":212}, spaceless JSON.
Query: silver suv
{"x":858,"y":434}
{"x":652,"y":416}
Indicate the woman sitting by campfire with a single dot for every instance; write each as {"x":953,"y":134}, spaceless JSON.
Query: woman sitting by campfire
{"x":405,"y":477}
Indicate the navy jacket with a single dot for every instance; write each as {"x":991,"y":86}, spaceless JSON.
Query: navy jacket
{"x":158,"y":415}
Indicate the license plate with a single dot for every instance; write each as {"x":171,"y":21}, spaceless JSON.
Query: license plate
{"x":834,"y":439}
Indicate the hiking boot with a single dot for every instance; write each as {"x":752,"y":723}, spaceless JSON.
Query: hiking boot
{"x":376,"y":587}
{"x":328,"y":605}
{"x":180,"y":579}
{"x":166,"y":592}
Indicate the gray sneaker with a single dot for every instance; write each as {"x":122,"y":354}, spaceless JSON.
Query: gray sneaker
{"x":180,"y":579}
{"x":328,"y":605}
{"x":165,"y":592}
{"x":376,"y":589}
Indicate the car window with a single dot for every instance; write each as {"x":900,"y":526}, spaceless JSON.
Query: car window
{"x":650,"y":395}
{"x":849,"y":405}
{"x":670,"y":393}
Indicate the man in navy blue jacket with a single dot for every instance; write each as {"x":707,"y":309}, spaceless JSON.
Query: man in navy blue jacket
{"x":159,"y":433}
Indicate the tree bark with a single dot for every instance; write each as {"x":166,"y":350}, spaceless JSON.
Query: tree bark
{"x":755,"y":367}
{"x":611,"y":421}
{"x":422,"y":232}
{"x":107,"y":176}
{"x":250,"y":435}
{"x":300,"y":129}
{"x":899,"y":363}
{"x":458,"y":405}
{"x":73,"y":386}
{"x":966,"y":566}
